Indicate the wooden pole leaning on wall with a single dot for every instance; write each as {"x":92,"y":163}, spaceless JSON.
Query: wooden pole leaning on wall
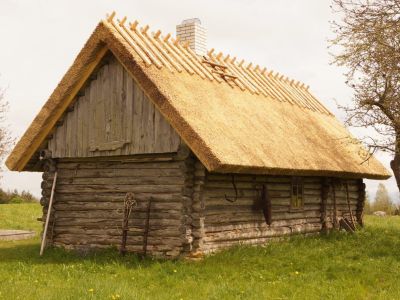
{"x":46,"y":226}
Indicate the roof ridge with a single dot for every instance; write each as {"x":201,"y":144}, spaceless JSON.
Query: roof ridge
{"x":171,"y":53}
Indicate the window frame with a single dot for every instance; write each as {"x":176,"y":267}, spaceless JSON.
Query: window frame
{"x":297,"y":184}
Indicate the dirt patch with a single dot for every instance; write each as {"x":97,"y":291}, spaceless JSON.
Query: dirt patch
{"x":13,"y":235}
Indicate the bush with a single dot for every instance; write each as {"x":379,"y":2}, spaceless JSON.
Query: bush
{"x":16,"y":197}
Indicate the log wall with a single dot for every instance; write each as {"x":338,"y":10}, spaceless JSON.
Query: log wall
{"x":190,"y":213}
{"x":228,"y":223}
{"x":89,"y":204}
{"x":112,"y":116}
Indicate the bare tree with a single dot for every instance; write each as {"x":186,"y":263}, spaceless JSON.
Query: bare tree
{"x":5,"y":138}
{"x":367,"y":43}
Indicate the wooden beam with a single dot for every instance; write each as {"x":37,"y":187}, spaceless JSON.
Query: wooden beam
{"x":63,"y":106}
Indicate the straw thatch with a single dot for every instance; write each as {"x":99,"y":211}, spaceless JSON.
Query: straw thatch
{"x":235,"y":118}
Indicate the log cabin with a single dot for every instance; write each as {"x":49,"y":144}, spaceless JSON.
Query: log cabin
{"x":160,"y":147}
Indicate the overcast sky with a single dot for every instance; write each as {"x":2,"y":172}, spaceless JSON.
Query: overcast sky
{"x":41,"y":38}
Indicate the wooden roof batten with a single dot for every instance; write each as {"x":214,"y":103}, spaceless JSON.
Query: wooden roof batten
{"x":153,"y":49}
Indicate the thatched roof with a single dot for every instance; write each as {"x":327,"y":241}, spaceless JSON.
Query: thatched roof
{"x":235,"y":117}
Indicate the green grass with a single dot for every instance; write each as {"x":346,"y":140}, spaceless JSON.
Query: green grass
{"x":20,"y":216}
{"x":361,"y":266}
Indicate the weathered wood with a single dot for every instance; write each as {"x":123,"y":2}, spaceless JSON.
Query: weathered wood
{"x":112,"y":116}
{"x":346,"y":225}
{"x":189,"y":213}
{"x":261,"y":233}
{"x":88,"y":208}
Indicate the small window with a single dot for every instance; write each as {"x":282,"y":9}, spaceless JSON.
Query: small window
{"x":297,"y":197}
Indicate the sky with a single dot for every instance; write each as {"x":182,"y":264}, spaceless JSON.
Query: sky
{"x":41,"y":38}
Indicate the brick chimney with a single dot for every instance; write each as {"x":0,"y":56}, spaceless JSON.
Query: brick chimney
{"x":192,"y":31}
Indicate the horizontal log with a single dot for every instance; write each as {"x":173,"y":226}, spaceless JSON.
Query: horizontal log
{"x":228,"y":186}
{"x":247,"y":234}
{"x":153,"y":251}
{"x":117,"y":214}
{"x":257,"y":201}
{"x":108,"y":173}
{"x":122,"y":159}
{"x":222,"y":209}
{"x":261,"y":224}
{"x":117,"y":232}
{"x":120,"y":165}
{"x":83,"y":239}
{"x":154,"y":223}
{"x":259,"y":178}
{"x":117,"y":196}
{"x":218,"y":209}
{"x":134,"y":180}
{"x":108,"y":188}
{"x":224,"y":218}
{"x":141,"y":206}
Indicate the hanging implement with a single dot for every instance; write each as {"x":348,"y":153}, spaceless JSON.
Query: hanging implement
{"x":266,"y":205}
{"x":236,"y":192}
{"x":129,"y":204}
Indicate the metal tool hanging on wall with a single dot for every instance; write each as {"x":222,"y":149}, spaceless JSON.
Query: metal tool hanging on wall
{"x":129,"y":204}
{"x":266,"y":205}
{"x":236,"y":191}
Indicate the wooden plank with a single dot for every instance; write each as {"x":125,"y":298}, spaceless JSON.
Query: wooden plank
{"x":144,"y":130}
{"x":100,"y":125}
{"x":128,"y":111}
{"x":137,"y":111}
{"x":92,"y":114}
{"x":67,"y":124}
{"x":73,"y":124}
{"x":117,"y":112}
{"x":85,"y":122}
{"x":150,"y":132}
{"x":79,"y":126}
{"x":158,"y":137}
{"x":120,"y":109}
{"x":88,"y":69}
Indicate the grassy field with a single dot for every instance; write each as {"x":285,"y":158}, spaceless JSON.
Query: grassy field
{"x":361,"y":266}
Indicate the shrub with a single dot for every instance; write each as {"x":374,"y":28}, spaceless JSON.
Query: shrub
{"x":16,"y":197}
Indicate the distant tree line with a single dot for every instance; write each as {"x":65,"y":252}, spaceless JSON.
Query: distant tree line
{"x":382,"y":202}
{"x":14,"y":196}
